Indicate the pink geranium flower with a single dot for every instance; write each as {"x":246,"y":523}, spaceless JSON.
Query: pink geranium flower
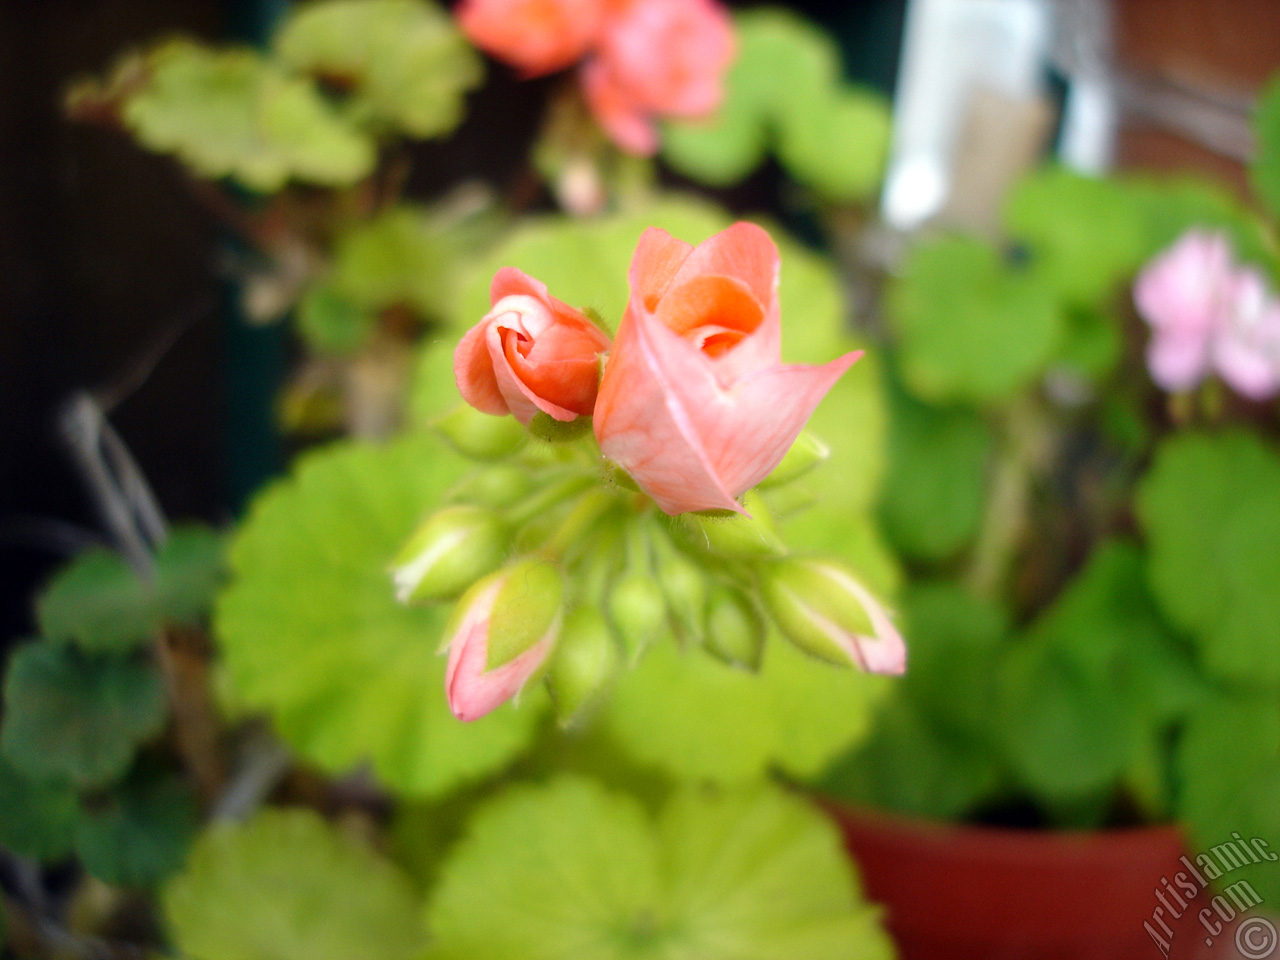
{"x":644,"y":58}
{"x":1209,"y":315}
{"x":696,"y":404}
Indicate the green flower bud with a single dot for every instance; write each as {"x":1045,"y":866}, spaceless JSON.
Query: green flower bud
{"x":823,"y":609}
{"x":735,"y":630}
{"x":733,"y":536}
{"x":498,"y":486}
{"x":481,"y":436}
{"x":637,"y":611}
{"x":449,"y":552}
{"x":684,"y":588}
{"x":586,"y":660}
{"x":529,"y":601}
{"x":805,"y":454}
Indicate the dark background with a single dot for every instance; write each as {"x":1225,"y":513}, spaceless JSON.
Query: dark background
{"x":111,"y":276}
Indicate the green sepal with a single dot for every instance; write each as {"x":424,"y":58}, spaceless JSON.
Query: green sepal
{"x":736,"y":536}
{"x":528,"y":604}
{"x":480,"y":436}
{"x":805,"y":454}
{"x":735,"y":631}
{"x":684,"y":588}
{"x":586,"y":660}
{"x":449,"y":552}
{"x":548,"y":428}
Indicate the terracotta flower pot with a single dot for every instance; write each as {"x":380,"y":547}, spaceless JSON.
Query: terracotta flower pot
{"x":955,"y":892}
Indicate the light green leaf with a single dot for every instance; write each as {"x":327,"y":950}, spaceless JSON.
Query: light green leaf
{"x":139,"y":834}
{"x":971,"y":328}
{"x":406,"y":64}
{"x":571,"y":870}
{"x":311,"y":632}
{"x":1210,"y":508}
{"x":837,"y":145}
{"x":1265,"y":169}
{"x":101,"y":604}
{"x":288,"y":886}
{"x":1085,"y":234}
{"x":76,"y":716}
{"x":933,"y":497}
{"x":330,"y":322}
{"x":233,"y":113}
{"x":37,"y":818}
{"x":405,"y":256}
{"x":690,"y":714}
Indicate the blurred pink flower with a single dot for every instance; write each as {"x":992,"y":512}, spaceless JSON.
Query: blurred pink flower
{"x":537,"y":36}
{"x":1208,"y":315}
{"x":644,"y":58}
{"x":695,"y":403}
{"x":472,"y":689}
{"x":657,"y":58}
{"x":530,"y":352}
{"x":1246,"y":344}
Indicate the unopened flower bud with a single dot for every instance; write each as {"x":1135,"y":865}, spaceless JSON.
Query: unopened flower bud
{"x":735,"y":630}
{"x":683,"y":587}
{"x":448,"y":553}
{"x":497,"y":486}
{"x":637,"y":610}
{"x":823,"y":609}
{"x":734,"y":536}
{"x":480,"y":436}
{"x":586,"y":660}
{"x":500,"y":637}
{"x":805,"y":454}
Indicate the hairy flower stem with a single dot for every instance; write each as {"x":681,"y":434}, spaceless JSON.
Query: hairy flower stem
{"x":1024,"y":450}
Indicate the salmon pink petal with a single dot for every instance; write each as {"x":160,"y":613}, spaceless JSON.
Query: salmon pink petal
{"x":625,"y":123}
{"x":537,"y":36}
{"x":520,"y":397}
{"x":654,"y":265}
{"x":639,"y":426}
{"x":719,"y":301}
{"x":473,"y":370}
{"x":745,"y":252}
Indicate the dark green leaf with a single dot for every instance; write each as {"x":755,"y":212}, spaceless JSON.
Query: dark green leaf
{"x":76,"y":716}
{"x":37,"y":818}
{"x":1265,"y":169}
{"x":139,"y":834}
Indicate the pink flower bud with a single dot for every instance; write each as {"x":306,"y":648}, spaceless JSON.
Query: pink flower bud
{"x":530,"y":353}
{"x":503,"y":631}
{"x":696,"y":404}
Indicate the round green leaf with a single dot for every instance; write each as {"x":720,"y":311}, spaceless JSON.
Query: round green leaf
{"x":99,"y":602}
{"x":330,"y":322}
{"x":690,"y":714}
{"x":403,"y":256}
{"x":139,"y":834}
{"x":311,"y":632}
{"x":288,"y":886}
{"x":837,"y":145}
{"x":1085,"y":234}
{"x":37,"y":818}
{"x":1228,"y":765}
{"x":571,"y":870}
{"x":971,"y":328}
{"x":1210,"y":507}
{"x":188,"y":572}
{"x":233,"y":113}
{"x":76,"y":716}
{"x":407,"y":65}
{"x":933,"y":498}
